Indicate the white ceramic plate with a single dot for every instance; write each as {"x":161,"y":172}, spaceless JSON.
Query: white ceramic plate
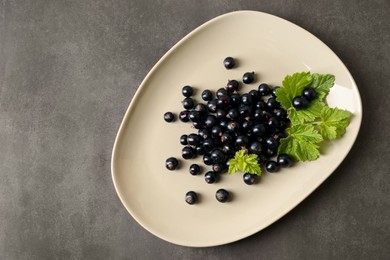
{"x":154,"y":196}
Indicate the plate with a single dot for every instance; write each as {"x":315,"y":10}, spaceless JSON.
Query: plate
{"x":271,"y":47}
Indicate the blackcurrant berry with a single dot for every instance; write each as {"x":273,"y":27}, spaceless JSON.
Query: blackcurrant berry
{"x":183,"y":139}
{"x":248,"y":77}
{"x":284,"y":160}
{"x":210,"y":177}
{"x":207,"y":95}
{"x":309,"y":93}
{"x":272,"y":166}
{"x":188,"y":103}
{"x":191,"y":197}
{"x":187,"y":91}
{"x":171,"y":163}
{"x":188,"y":152}
{"x":194,"y":169}
{"x":300,"y":102}
{"x":249,"y":178}
{"x":222,"y":195}
{"x":169,"y":117}
{"x":232,"y":85}
{"x":229,"y":63}
{"x":264,"y":89}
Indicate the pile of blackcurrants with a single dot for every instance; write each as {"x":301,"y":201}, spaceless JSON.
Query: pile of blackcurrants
{"x":227,"y":122}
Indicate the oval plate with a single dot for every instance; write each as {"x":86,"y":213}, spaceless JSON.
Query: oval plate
{"x":154,"y":196}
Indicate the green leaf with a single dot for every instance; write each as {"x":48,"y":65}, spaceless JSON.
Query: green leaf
{"x":245,"y":163}
{"x":306,"y":115}
{"x":322,"y":84}
{"x":334,"y":122}
{"x":302,"y":143}
{"x":292,"y":87}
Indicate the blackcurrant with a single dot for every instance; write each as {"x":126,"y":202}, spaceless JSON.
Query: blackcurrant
{"x":194,"y":169}
{"x":188,"y":103}
{"x":187,"y":91}
{"x":183,"y":139}
{"x":272,"y":166}
{"x":309,"y":93}
{"x":207,"y":159}
{"x":300,"y":102}
{"x":222,"y":195}
{"x":183,"y":116}
{"x":256,"y":147}
{"x":248,"y":77}
{"x":264,"y":89}
{"x":207,"y":95}
{"x":188,"y":152}
{"x":191,"y":197}
{"x":169,"y":117}
{"x":210,"y":177}
{"x":284,"y":160}
{"x":229,"y":63}
{"x":193,"y":139}
{"x":232,"y":85}
{"x":171,"y":163}
{"x":249,"y":178}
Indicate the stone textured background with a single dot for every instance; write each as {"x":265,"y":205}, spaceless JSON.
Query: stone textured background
{"x":68,"y":70}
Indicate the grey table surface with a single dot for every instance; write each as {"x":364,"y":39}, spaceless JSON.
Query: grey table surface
{"x":68,"y":70}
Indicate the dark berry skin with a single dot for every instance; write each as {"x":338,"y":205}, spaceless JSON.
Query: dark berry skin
{"x":191,"y":197}
{"x":233,"y":126}
{"x":208,"y":144}
{"x":222,"y":195}
{"x":194,"y":116}
{"x":300,"y":103}
{"x":248,"y":77}
{"x":219,"y":167}
{"x":193,"y":139}
{"x":264,"y":89}
{"x":207,"y":95}
{"x":199,"y":150}
{"x":204,"y":133}
{"x":187,"y":91}
{"x":227,"y":138}
{"x":183,"y":139}
{"x":272,"y":103}
{"x":169,"y":117}
{"x":212,"y":105}
{"x":284,"y":160}
{"x":229,"y":63}
{"x":201,"y":108}
{"x":232,"y":85}
{"x":188,"y":103}
{"x":259,"y":130}
{"x":210,"y":121}
{"x":217,"y":156}
{"x":309,"y":93}
{"x":272,"y":166}
{"x":242,"y":141}
{"x":210,"y":177}
{"x":207,"y":159}
{"x":273,"y":93}
{"x":246,"y":99}
{"x":221,"y":92}
{"x":233,"y":114}
{"x":271,"y":143}
{"x":188,"y":152}
{"x":249,"y":178}
{"x":171,"y":163}
{"x":256,"y":147}
{"x":194,"y":169}
{"x":183,"y":116}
